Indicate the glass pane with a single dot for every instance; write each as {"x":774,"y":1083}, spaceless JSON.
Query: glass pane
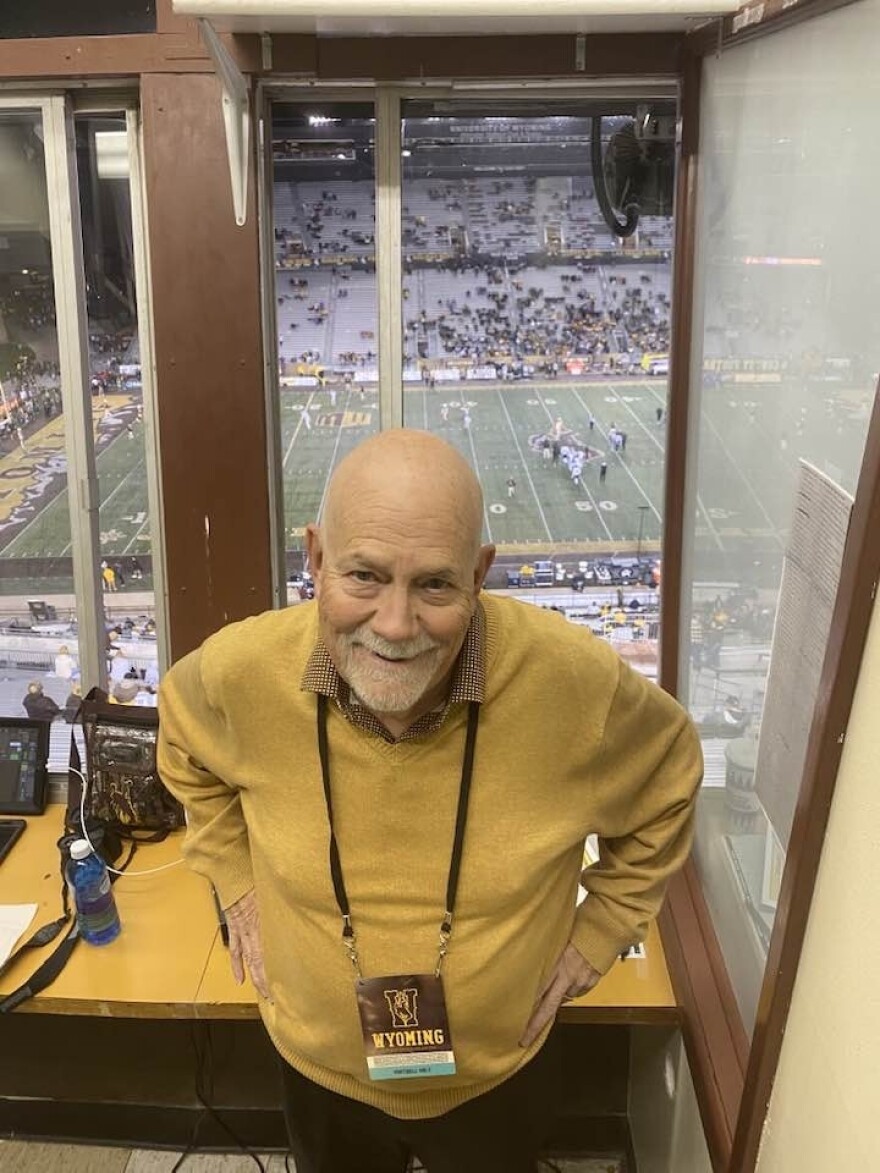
{"x":117,"y":404}
{"x":787,"y":362}
{"x":326,"y":307}
{"x":536,"y":334}
{"x":38,"y":648}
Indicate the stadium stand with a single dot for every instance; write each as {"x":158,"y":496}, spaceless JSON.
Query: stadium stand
{"x":513,"y":271}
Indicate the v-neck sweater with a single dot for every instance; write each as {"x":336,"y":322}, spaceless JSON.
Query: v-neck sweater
{"x":571,"y":742}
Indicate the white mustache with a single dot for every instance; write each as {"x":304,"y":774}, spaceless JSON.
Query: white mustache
{"x":404,"y":650}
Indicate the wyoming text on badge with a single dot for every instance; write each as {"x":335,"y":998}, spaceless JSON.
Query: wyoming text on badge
{"x":405,"y":1026}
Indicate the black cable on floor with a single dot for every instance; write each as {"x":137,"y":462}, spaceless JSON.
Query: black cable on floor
{"x":204,"y":1075}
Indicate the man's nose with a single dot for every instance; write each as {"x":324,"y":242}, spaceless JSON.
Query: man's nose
{"x":395,"y":618}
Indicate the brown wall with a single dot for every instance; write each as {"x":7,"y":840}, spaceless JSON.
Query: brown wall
{"x":206,"y":313}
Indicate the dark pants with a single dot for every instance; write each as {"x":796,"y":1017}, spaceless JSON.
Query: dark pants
{"x":502,"y":1131}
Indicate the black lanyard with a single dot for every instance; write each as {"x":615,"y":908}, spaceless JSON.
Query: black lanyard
{"x":467,"y":769}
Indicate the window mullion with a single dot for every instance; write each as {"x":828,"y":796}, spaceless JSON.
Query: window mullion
{"x":388,"y":258}
{"x":73,"y":352}
{"x":143,"y":300}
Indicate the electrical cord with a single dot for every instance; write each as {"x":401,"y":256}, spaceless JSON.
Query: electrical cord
{"x":204,"y":1081}
{"x":204,"y":1057}
{"x":85,"y":834}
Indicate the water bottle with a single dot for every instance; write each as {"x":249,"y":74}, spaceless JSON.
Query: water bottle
{"x":96,"y":913}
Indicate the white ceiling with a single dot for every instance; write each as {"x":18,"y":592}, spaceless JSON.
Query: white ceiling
{"x":454,"y":17}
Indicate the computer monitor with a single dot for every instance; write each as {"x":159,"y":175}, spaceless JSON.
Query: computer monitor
{"x":24,"y":754}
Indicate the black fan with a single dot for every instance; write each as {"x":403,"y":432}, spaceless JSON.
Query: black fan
{"x":633,"y":178}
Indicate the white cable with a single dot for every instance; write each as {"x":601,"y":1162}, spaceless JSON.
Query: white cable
{"x":85,"y":835}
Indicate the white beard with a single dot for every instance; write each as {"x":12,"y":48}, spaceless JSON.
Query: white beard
{"x":381,"y":686}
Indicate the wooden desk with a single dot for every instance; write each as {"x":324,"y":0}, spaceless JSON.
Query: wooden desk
{"x":155,"y":966}
{"x":169,"y":960}
{"x":159,"y":1005}
{"x":633,"y":991}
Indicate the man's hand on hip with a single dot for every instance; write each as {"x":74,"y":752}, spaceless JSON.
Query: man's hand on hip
{"x":245,"y":946}
{"x":570,"y":977}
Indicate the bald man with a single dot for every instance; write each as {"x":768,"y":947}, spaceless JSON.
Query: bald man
{"x":390,"y":788}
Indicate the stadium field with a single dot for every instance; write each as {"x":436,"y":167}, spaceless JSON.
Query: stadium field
{"x":122,"y":480}
{"x":507,"y":424}
{"x":740,"y":502}
{"x":550,"y":512}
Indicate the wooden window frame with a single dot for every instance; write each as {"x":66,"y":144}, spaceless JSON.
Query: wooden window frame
{"x":734,"y":1077}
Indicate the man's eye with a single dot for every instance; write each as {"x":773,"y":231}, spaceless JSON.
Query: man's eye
{"x":363,"y":576}
{"x":436,"y":584}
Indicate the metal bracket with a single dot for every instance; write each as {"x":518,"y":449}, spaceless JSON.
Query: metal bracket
{"x":236,"y":116}
{"x":580,"y":53}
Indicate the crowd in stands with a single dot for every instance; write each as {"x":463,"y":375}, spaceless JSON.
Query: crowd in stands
{"x":31,"y":308}
{"x":491,"y":277}
{"x":513,"y":217}
{"x":494,"y":313}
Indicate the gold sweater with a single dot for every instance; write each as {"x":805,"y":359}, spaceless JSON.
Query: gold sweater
{"x":571,"y":741}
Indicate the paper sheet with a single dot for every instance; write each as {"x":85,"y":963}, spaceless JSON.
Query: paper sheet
{"x":14,"y":919}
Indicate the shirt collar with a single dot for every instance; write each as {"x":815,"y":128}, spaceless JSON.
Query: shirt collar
{"x":468,"y":682}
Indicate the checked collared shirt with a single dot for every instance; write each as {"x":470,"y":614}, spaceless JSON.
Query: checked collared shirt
{"x":468,"y":684}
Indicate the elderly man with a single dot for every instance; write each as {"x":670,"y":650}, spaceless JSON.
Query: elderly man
{"x":390,"y":788}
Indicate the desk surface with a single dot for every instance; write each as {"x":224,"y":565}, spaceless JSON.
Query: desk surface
{"x":154,"y":967}
{"x":169,"y":960}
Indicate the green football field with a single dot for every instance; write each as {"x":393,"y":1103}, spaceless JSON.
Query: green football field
{"x":749,"y":442}
{"x":742,"y":493}
{"x":507,"y":422}
{"x":124,"y":521}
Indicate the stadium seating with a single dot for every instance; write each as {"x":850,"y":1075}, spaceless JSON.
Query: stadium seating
{"x":494,"y":267}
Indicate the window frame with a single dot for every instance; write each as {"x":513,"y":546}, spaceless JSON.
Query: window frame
{"x":58,"y":109}
{"x":387,"y":99}
{"x":733,"y":1075}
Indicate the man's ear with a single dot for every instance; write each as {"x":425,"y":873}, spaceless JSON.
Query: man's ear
{"x":485,"y":558}
{"x":314,"y":553}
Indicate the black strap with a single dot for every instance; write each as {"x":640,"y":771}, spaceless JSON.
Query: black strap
{"x":45,"y":975}
{"x":48,"y":970}
{"x":467,"y":770}
{"x":42,"y":936}
{"x":335,"y":865}
{"x":75,"y":772}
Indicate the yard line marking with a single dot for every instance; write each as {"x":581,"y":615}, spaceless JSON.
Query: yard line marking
{"x":524,"y":464}
{"x":702,"y":508}
{"x":114,"y":491}
{"x":296,"y":432}
{"x":594,"y":503}
{"x":620,"y":463}
{"x":776,"y":534}
{"x":332,"y":463}
{"x":65,"y":493}
{"x":476,"y":467}
{"x":140,"y":530}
